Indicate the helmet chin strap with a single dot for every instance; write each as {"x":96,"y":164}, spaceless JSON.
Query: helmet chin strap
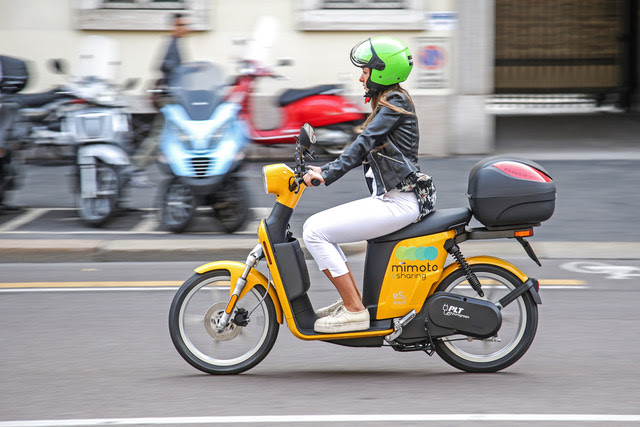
{"x":373,"y":89}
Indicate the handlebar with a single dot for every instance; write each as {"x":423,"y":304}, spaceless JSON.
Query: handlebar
{"x":301,"y":167}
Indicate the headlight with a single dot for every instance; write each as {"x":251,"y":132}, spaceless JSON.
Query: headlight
{"x":219,"y":133}
{"x":181,"y":136}
{"x":106,"y":97}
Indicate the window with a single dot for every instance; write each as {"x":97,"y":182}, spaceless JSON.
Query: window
{"x":140,"y":15}
{"x":360,"y":15}
{"x":143,"y":4}
{"x":364,"y":4}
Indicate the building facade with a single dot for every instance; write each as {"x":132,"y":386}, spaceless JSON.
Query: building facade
{"x":466,"y":51}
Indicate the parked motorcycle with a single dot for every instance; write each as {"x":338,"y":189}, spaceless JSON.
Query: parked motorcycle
{"x":324,"y":107}
{"x":100,"y":131}
{"x":334,"y":116}
{"x":202,"y":149}
{"x":14,"y":76}
{"x":103,"y":136}
{"x":478,"y":314}
{"x":38,"y":116}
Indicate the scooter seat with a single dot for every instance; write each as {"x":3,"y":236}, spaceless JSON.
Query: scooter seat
{"x":436,"y":222}
{"x":32,"y":100}
{"x":292,"y":95}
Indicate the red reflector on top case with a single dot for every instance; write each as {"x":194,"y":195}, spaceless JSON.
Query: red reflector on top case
{"x":522,"y":171}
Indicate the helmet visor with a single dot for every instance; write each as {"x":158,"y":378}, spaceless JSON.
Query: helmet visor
{"x":363,"y":55}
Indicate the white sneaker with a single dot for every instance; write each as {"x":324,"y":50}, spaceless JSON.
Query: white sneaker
{"x":326,"y":311}
{"x":343,"y":320}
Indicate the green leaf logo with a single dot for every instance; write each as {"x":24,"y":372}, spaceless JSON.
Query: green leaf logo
{"x":413,"y":253}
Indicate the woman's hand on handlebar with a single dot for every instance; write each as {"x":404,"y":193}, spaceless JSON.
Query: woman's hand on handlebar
{"x":313,"y":177}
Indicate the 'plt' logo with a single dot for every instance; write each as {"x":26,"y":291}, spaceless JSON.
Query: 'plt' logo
{"x":413,"y":253}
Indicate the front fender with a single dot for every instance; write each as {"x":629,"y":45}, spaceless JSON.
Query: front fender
{"x":482,"y":260}
{"x":107,"y":153}
{"x":236,"y":269}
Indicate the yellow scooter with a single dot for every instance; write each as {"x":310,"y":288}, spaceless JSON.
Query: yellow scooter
{"x":478,"y":314}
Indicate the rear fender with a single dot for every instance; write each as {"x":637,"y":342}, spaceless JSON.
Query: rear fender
{"x":481,"y":260}
{"x":236,"y":269}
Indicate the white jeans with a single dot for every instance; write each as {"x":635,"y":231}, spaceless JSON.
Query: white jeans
{"x":355,"y":221}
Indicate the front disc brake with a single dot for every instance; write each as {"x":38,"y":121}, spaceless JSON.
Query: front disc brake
{"x":214,"y":313}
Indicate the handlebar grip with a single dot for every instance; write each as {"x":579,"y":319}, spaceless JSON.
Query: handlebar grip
{"x":315,"y":182}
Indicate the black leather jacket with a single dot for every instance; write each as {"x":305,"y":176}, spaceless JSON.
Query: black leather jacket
{"x":388,"y":145}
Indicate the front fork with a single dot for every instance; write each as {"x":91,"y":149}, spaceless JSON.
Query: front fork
{"x":88,"y":177}
{"x":252,"y":260}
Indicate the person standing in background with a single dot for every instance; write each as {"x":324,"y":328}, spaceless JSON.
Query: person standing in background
{"x":147,"y":150}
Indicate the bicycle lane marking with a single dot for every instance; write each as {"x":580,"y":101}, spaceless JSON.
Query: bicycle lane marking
{"x":610,"y":271}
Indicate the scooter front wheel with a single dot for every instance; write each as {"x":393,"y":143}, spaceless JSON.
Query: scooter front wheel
{"x":96,"y":211}
{"x":177,"y":206}
{"x":231,"y":206}
{"x":519,"y":323}
{"x":193,"y":316}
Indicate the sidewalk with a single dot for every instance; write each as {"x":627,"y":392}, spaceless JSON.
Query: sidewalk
{"x":603,"y":136}
{"x":186,"y":249}
{"x":592,"y":137}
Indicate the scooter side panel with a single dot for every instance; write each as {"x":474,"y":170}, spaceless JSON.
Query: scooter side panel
{"x":414,"y":267}
{"x":236,"y":269}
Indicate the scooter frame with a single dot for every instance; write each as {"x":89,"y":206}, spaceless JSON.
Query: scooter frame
{"x":444,"y":229}
{"x":414,"y":305}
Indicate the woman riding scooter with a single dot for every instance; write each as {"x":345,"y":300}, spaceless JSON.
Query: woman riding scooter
{"x":387,"y":147}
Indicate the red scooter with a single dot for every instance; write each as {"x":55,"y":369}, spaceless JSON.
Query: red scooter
{"x":333,"y":116}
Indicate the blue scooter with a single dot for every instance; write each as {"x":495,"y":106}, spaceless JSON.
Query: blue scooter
{"x":202,"y":147}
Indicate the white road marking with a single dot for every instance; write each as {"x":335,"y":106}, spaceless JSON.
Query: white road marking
{"x":147,"y":225}
{"x":395,"y":418}
{"x":20,"y":220}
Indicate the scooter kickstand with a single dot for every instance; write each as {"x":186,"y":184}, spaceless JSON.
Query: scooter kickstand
{"x":398,"y":324}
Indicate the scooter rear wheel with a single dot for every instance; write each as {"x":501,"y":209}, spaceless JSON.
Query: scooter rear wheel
{"x":519,"y":323}
{"x":192,"y":318}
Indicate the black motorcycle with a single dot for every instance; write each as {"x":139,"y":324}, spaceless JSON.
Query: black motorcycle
{"x":13,"y":78}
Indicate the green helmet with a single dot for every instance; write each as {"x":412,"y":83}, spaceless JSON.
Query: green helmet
{"x":389,"y":59}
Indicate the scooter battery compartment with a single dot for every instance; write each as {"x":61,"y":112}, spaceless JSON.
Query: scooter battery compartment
{"x":293,"y":269}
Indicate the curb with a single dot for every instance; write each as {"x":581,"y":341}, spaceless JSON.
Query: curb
{"x":96,"y":250}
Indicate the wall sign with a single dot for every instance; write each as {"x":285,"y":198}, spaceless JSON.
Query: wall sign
{"x":434,"y":62}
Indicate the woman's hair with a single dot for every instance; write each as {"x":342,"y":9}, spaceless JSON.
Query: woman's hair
{"x":379,"y":100}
